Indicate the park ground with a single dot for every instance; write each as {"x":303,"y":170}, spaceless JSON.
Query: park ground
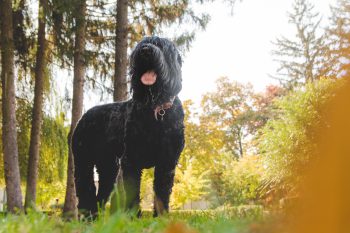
{"x":240,"y":219}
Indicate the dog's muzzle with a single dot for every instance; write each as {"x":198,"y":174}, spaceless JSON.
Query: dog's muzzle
{"x":146,"y":50}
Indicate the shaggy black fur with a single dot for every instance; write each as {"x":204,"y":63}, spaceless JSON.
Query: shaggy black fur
{"x":130,"y":133}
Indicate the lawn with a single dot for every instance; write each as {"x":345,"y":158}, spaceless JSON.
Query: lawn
{"x":229,"y":220}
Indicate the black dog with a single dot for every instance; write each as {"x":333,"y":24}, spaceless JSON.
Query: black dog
{"x":143,"y":132}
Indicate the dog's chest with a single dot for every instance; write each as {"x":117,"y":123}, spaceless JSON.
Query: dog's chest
{"x":145,"y":134}
{"x":146,"y":139}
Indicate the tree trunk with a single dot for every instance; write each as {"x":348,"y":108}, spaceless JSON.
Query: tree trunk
{"x":121,"y":48}
{"x":9,"y":134}
{"x":240,"y":147}
{"x":70,"y":204}
{"x":240,"y":144}
{"x":34,"y":146}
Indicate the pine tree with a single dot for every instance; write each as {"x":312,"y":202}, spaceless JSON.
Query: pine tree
{"x":339,"y":38}
{"x":121,"y":48}
{"x":301,"y":58}
{"x":70,"y":208}
{"x":9,"y":134}
{"x":37,"y":113}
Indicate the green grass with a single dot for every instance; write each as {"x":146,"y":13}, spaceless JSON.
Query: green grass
{"x":229,"y":220}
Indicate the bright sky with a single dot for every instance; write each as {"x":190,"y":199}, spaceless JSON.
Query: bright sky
{"x":239,"y":45}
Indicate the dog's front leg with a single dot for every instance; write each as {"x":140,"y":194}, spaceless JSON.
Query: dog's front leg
{"x":132,"y":180}
{"x":163,"y":184}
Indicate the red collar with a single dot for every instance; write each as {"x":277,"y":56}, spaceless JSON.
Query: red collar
{"x":160,"y":109}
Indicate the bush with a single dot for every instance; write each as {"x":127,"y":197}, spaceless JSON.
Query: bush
{"x":236,"y":182}
{"x":50,"y":196}
{"x":288,"y":140}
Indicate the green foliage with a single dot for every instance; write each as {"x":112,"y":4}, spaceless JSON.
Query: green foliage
{"x":287,"y":141}
{"x":24,"y":117}
{"x":53,"y":151}
{"x":190,"y":184}
{"x":235,"y":182}
{"x":50,"y":196}
{"x":54,"y":146}
{"x":36,"y":223}
{"x":241,"y":180}
{"x":146,"y":190}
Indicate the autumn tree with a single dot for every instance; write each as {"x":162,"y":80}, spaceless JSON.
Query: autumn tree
{"x":302,"y":59}
{"x":206,"y":171}
{"x":9,"y":134}
{"x":230,"y":106}
{"x":263,"y":105}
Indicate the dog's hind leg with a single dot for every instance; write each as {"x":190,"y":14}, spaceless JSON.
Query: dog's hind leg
{"x":85,"y":186}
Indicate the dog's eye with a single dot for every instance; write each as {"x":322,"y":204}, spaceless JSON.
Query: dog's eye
{"x":179,"y":59}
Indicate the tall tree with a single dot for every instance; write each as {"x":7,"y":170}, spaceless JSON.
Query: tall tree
{"x":301,"y":58}
{"x":9,"y":134}
{"x":70,"y":208}
{"x":339,"y":37}
{"x":121,"y":48}
{"x":37,"y":113}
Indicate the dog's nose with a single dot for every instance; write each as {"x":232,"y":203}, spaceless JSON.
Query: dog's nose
{"x":145,"y":47}
{"x":146,"y":50}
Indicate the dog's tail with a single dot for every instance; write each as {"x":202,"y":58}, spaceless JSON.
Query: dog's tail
{"x":83,"y":170}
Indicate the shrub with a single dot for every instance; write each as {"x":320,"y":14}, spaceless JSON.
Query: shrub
{"x":287,"y":141}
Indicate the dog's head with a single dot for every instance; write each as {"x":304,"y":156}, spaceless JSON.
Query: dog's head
{"x":155,"y":71}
